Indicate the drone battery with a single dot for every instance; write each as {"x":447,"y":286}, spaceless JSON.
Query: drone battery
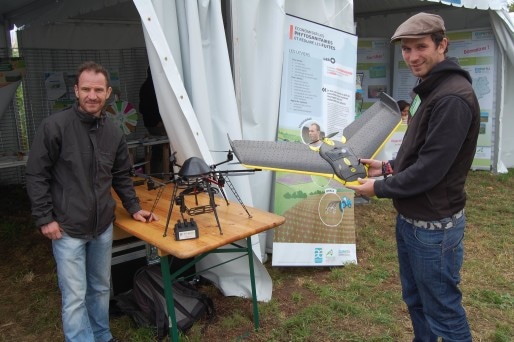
{"x":186,"y":230}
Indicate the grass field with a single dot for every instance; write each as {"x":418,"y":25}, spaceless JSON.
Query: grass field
{"x":359,"y":302}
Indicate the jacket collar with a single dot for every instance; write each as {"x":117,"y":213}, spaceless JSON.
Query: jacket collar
{"x":439,"y":73}
{"x":88,"y":118}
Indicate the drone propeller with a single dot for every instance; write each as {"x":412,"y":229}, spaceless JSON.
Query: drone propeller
{"x":331,"y":135}
{"x":245,"y":172}
{"x":131,"y":169}
{"x":140,"y":164}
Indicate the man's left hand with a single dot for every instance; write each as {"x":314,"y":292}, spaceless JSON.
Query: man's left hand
{"x":366,"y":187}
{"x":145,"y":216}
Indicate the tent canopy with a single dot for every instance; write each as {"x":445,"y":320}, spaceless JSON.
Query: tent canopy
{"x":38,"y":12}
{"x":373,"y":19}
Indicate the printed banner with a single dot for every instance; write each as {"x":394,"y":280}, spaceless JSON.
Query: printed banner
{"x":373,"y":65}
{"x":317,"y":99}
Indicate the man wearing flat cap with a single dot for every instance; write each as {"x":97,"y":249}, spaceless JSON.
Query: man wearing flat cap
{"x":426,"y":181}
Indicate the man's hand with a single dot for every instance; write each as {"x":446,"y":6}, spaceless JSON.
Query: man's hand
{"x":145,"y":216}
{"x":374,"y":167}
{"x":366,"y":187}
{"x":51,"y":230}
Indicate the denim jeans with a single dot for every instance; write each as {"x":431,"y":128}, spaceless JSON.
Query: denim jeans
{"x":430,"y":263}
{"x":84,"y":272}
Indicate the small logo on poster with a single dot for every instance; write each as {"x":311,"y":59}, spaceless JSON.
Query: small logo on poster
{"x":318,"y":255}
{"x":330,"y":257}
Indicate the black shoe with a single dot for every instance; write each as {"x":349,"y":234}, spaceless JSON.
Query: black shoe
{"x":114,"y":339}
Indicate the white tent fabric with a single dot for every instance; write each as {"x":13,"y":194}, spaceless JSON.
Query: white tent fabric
{"x":257,"y":72}
{"x":478,"y":4}
{"x":503,"y":27}
{"x":202,"y":107}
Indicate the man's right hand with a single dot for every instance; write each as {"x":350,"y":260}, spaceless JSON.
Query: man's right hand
{"x":52,"y":230}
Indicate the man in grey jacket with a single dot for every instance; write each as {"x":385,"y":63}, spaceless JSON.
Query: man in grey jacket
{"x":76,"y":157}
{"x":427,"y":182}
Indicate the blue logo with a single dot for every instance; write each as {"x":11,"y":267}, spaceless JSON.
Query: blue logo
{"x":318,"y":255}
{"x":345,"y":203}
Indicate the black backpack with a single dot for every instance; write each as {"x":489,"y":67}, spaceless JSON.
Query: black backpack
{"x":190,"y":304}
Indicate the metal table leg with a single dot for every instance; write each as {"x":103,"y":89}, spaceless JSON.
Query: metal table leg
{"x":252,"y":282}
{"x":170,"y":302}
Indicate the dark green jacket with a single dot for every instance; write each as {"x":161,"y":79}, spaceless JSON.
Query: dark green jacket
{"x":437,"y":151}
{"x":74,"y":160}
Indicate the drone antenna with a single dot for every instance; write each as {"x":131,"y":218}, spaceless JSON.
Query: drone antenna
{"x":230,"y":157}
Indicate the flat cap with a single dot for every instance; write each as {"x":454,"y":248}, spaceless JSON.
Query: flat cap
{"x":418,"y":25}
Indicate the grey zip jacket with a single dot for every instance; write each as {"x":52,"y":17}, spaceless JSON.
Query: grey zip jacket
{"x":437,"y":151}
{"x":74,"y":160}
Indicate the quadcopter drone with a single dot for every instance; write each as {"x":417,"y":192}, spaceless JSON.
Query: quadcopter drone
{"x":195,"y":177}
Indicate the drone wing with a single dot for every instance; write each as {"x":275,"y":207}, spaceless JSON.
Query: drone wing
{"x":364,"y":138}
{"x":279,"y":156}
{"x":369,"y":133}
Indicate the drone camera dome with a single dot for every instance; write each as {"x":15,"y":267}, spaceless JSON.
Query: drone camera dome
{"x":194,"y":166}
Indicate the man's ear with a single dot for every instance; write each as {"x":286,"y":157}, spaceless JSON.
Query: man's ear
{"x":76,"y":90}
{"x":443,"y":45}
{"x":109,"y":91}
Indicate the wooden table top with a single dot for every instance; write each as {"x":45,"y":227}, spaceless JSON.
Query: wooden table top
{"x":234,"y":220}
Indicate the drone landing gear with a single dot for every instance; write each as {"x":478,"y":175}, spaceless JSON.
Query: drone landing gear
{"x":179,"y":200}
{"x":195,"y":177}
{"x":210,"y":190}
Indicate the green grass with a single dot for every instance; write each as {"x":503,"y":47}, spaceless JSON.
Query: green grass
{"x":358,"y":302}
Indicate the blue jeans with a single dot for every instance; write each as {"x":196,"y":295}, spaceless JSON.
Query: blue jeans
{"x":84,"y":273}
{"x":430,"y":263}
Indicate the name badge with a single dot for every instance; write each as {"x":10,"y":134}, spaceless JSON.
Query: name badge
{"x":414,"y":105}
